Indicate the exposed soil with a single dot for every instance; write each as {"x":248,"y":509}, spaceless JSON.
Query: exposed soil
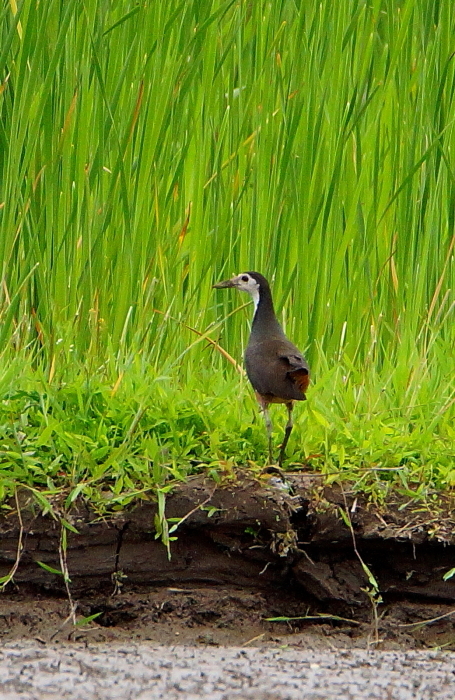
{"x":224,"y":616}
{"x":246,"y":551}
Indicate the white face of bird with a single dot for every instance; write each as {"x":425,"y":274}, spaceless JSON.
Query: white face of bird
{"x":246,"y":283}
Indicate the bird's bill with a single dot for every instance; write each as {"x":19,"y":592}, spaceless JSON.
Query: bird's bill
{"x":223,"y":285}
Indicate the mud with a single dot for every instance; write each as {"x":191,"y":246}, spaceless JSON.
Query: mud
{"x":246,"y":551}
{"x":222,"y":616}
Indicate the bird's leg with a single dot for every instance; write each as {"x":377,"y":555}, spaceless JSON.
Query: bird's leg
{"x":269,"y":426}
{"x":264,"y":404}
{"x":287,"y":432}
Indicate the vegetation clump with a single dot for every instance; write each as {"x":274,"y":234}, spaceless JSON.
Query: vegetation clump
{"x":150,"y":149}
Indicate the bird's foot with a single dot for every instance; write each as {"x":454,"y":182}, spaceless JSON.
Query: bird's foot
{"x":273,"y":469}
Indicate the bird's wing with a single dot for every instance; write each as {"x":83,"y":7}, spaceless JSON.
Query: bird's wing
{"x":298,"y":370}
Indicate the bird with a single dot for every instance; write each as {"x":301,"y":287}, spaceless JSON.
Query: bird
{"x":276,"y":368}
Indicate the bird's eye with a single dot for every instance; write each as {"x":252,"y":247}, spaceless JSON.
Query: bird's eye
{"x":245,"y":278}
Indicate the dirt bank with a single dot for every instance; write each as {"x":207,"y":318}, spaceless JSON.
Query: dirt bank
{"x":246,"y":551}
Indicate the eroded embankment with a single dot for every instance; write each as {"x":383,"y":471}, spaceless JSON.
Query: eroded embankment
{"x":293,"y":552}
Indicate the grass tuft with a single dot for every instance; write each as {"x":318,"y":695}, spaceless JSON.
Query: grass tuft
{"x":148,"y":151}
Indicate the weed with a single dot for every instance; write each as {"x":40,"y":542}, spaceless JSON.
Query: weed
{"x":146,"y":153}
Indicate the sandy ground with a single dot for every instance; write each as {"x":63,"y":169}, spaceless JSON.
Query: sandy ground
{"x":32,"y":672}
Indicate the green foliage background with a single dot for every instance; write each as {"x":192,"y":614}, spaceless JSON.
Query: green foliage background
{"x":148,"y":149}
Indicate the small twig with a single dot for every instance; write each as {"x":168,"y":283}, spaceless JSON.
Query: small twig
{"x":265,"y":568}
{"x":319,"y":616}
{"x":407,"y":526}
{"x":70,"y":618}
{"x":254,"y":639}
{"x":427,"y":622}
{"x":66,"y":578}
{"x":19,"y":549}
{"x":381,"y":519}
{"x":307,"y":556}
{"x":374,"y":594}
{"x":349,"y":523}
{"x":193,"y":510}
{"x":65,"y":572}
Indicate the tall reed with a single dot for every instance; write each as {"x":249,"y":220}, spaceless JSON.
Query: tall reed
{"x":148,"y":149}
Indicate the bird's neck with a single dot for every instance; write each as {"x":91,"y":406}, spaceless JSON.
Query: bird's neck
{"x":265,"y":322}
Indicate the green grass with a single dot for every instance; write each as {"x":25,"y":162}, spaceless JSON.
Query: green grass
{"x":149,"y":149}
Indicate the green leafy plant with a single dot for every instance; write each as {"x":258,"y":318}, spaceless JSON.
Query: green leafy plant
{"x":146,"y":152}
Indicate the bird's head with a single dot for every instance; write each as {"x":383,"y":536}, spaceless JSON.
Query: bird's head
{"x":251,"y":282}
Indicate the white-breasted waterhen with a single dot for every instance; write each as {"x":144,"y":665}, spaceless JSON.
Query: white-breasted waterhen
{"x":275,"y":367}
